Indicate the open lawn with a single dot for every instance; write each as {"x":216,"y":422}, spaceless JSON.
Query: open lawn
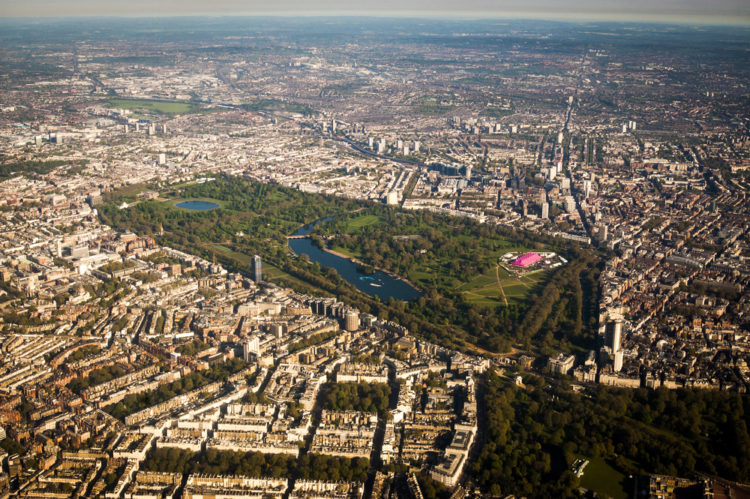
{"x":240,"y":257}
{"x":156,"y":106}
{"x":347,"y":253}
{"x":431,"y":106}
{"x":603,"y":479}
{"x":275,"y":274}
{"x":361,"y":221}
{"x":485,"y":289}
{"x":130,"y":192}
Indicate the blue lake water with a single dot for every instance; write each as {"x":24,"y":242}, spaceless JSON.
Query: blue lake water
{"x":197,"y":205}
{"x":377,"y":284}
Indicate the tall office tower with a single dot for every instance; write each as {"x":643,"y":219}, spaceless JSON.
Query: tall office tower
{"x":406,"y":150}
{"x":624,"y":128}
{"x":162,"y":158}
{"x":545,"y":210}
{"x":257,"y":272}
{"x":371,"y":142}
{"x":381,"y":146}
{"x":560,"y":137}
{"x":417,"y":145}
{"x":468,"y":172}
{"x":614,"y":335}
{"x":333,"y":125}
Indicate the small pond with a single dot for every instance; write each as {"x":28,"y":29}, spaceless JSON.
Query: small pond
{"x":197,"y":205}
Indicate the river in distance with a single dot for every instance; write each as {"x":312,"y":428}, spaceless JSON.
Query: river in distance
{"x":378,"y":284}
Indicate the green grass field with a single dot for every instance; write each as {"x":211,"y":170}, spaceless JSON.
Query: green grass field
{"x":431,"y":106}
{"x":132,"y":190}
{"x":484,"y":290}
{"x":344,"y":251}
{"x":361,"y":221}
{"x":604,"y":479}
{"x":155,"y":106}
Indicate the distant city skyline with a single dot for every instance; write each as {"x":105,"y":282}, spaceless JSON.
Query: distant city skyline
{"x":679,"y":11}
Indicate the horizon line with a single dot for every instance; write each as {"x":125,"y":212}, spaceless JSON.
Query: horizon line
{"x":663,"y":19}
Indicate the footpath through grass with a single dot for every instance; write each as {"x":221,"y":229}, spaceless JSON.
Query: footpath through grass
{"x":485,"y":289}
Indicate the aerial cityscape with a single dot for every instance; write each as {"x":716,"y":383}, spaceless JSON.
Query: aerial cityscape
{"x":394,"y":257}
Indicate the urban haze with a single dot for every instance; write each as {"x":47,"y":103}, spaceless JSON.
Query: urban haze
{"x":392,"y":250}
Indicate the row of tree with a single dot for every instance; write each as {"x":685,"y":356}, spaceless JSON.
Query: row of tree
{"x":97,"y":377}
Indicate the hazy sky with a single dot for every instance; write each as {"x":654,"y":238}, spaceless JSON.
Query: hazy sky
{"x":698,"y":11}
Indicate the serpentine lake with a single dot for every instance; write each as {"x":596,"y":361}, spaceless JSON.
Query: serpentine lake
{"x":378,"y":284}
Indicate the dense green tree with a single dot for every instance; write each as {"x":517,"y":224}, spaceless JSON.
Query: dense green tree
{"x":367,"y":397}
{"x":534,"y":434}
